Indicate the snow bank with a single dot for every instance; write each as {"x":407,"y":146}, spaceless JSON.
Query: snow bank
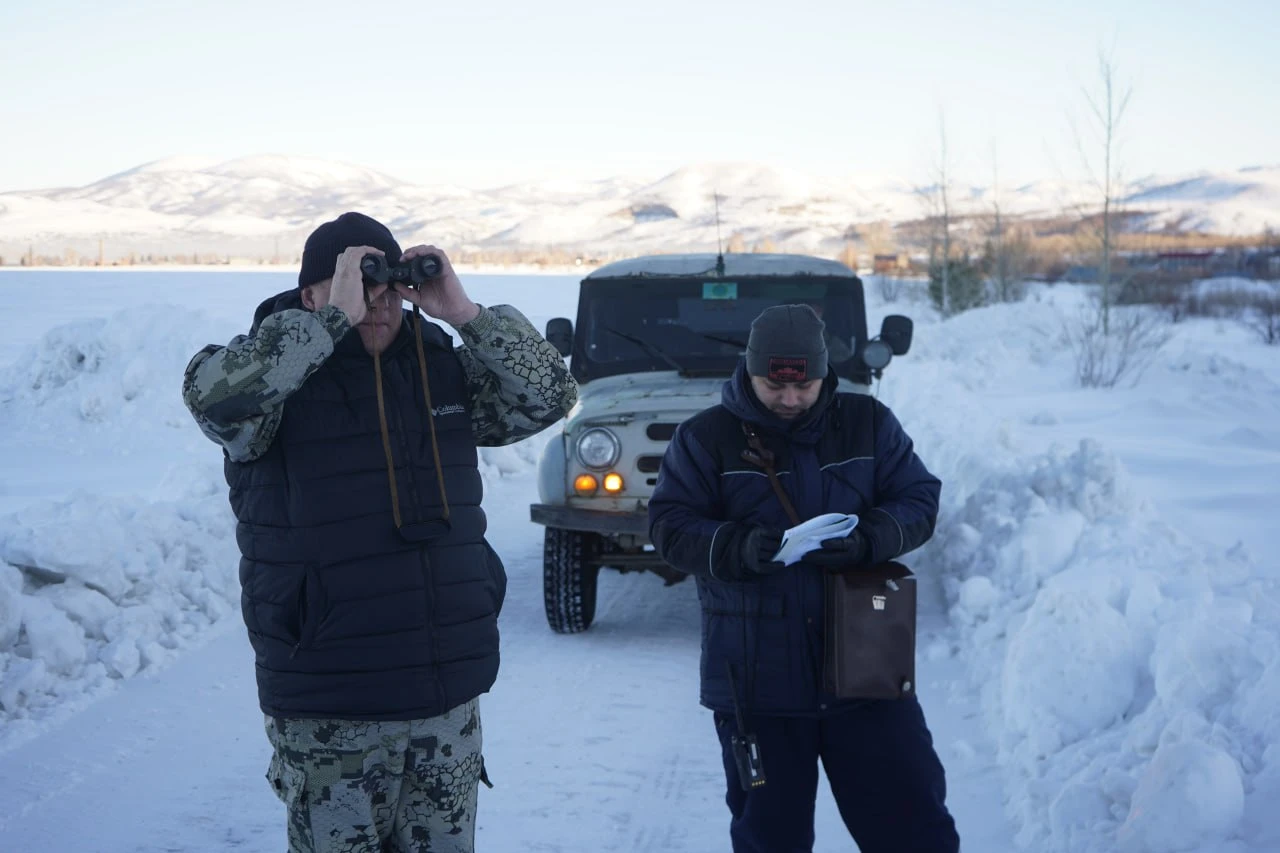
{"x":1116,"y":660}
{"x":1130,"y":677}
{"x":96,"y":588}
{"x":124,"y":373}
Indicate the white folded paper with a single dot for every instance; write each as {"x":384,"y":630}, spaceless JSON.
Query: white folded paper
{"x":808,"y":535}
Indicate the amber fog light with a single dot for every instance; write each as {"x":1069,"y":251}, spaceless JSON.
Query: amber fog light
{"x":613,"y":483}
{"x":585,"y":484}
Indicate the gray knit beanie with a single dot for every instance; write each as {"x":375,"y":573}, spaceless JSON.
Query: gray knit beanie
{"x":786,"y":345}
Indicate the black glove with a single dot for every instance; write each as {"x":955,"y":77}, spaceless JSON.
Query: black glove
{"x":841,"y":555}
{"x":758,"y":549}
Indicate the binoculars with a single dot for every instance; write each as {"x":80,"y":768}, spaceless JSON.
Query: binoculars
{"x":411,"y":273}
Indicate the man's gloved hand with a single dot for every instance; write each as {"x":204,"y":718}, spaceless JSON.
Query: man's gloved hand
{"x":758,"y":549}
{"x":841,"y":555}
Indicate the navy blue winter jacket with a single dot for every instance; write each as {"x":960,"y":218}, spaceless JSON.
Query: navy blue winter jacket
{"x":846,"y":454}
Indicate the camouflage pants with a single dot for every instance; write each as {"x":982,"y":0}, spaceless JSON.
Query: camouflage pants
{"x":379,"y":787}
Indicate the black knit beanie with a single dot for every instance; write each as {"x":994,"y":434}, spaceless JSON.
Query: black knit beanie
{"x":320,"y":254}
{"x":786,"y":345}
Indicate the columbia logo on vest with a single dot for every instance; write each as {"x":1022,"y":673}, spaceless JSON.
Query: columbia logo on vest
{"x":877,"y":602}
{"x":451,"y":409}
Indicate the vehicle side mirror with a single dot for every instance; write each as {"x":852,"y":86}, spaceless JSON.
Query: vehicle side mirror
{"x":560,"y":334}
{"x":896,"y":331}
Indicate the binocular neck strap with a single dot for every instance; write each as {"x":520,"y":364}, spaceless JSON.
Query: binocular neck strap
{"x":431,"y":419}
{"x":386,"y":439}
{"x":431,"y":425}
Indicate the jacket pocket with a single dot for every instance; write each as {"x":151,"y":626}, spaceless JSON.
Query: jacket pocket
{"x":309,"y":609}
{"x":736,"y":599}
{"x":757,"y":650}
{"x":726,"y":636}
{"x":497,"y":576}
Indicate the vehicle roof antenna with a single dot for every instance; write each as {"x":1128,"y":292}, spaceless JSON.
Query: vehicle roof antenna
{"x":719,"y":245}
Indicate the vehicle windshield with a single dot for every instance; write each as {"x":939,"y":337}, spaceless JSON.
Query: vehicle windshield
{"x":701,"y":327}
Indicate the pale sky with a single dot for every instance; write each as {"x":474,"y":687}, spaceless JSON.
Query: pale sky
{"x":483,"y":93}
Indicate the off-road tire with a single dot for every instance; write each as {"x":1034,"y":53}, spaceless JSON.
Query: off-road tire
{"x":569,"y":576}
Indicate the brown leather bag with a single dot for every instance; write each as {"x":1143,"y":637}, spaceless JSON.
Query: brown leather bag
{"x":870,"y":620}
{"x":870,"y":642}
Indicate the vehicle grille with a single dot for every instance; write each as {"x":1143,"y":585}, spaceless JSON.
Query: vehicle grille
{"x":648,"y":464}
{"x":660,"y":432}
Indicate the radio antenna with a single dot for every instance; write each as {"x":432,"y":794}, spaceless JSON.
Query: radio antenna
{"x":719,"y":244}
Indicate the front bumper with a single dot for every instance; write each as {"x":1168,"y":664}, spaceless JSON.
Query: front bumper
{"x":590,"y":520}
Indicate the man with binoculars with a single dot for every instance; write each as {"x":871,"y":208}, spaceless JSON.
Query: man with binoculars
{"x":370,"y":594}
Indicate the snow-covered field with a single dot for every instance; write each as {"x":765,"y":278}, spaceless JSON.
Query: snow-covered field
{"x":1100,"y":634}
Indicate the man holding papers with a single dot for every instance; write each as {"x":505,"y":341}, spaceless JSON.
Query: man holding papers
{"x":784,"y":446}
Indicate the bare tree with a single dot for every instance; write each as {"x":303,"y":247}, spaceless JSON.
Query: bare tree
{"x":955,"y":283}
{"x":999,"y":271}
{"x":1105,"y":358}
{"x":1006,"y":253}
{"x":939,"y":199}
{"x":1106,"y":108}
{"x":1263,"y":316}
{"x":944,"y":205}
{"x":890,"y":286}
{"x":1271,"y":245}
{"x":1109,"y":343}
{"x":943,"y":266}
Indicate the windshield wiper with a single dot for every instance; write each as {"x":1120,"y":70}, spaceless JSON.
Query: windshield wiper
{"x":730,"y":341}
{"x":651,"y":349}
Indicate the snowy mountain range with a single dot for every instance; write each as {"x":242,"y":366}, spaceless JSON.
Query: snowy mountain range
{"x":264,"y":206}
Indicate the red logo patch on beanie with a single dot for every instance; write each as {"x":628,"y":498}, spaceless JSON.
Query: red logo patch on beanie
{"x":788,"y":369}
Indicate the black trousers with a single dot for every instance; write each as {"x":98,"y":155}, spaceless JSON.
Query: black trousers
{"x":887,"y":780}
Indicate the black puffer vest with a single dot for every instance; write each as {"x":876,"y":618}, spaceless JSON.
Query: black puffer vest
{"x":349,"y":616}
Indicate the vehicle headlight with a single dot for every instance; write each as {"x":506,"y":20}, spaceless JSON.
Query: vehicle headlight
{"x":876,"y":355}
{"x":598,"y":448}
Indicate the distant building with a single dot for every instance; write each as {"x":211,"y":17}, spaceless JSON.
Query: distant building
{"x":1261,"y":263}
{"x":884,"y":264}
{"x":1082,"y":274}
{"x":1195,"y":262}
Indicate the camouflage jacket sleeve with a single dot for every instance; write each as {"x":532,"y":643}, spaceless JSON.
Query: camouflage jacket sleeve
{"x":518,"y":383}
{"x":236,"y":392}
